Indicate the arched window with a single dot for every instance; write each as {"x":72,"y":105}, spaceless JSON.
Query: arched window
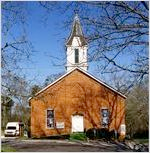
{"x":76,"y":56}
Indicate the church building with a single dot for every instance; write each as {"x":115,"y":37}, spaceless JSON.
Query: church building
{"x":77,"y":101}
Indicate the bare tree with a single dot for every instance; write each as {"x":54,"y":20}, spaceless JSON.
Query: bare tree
{"x":15,"y":45}
{"x":34,"y":89}
{"x":6,"y":109}
{"x":137,"y":118}
{"x":16,"y":89}
{"x":122,"y":29}
{"x":15,"y":48}
{"x":117,"y":33}
{"x":51,"y":78}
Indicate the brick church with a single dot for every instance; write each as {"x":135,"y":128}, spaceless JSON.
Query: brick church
{"x":77,"y":101}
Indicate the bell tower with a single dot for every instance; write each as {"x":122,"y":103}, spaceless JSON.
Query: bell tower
{"x":76,"y":47}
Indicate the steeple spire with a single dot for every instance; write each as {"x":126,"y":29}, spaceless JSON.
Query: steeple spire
{"x":76,"y":31}
{"x":76,"y":47}
{"x":76,"y":14}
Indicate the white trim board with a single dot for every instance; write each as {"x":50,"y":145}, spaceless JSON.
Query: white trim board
{"x":84,"y":73}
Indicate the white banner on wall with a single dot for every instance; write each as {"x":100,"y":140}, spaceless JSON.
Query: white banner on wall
{"x":60,"y":125}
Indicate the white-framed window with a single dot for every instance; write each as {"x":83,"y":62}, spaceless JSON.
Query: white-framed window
{"x":50,"y":118}
{"x":76,"y":55}
{"x":104,"y":117}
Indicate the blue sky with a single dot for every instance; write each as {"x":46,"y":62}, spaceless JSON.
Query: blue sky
{"x":46,"y":42}
{"x":48,"y":39}
{"x":46,"y":32}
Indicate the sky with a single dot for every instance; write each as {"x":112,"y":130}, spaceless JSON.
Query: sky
{"x":47,"y":35}
{"x":46,"y":40}
{"x":46,"y":32}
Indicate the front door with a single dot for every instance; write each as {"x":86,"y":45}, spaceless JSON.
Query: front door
{"x":77,"y":123}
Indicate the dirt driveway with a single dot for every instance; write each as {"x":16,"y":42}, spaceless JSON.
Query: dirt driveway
{"x":62,"y":146}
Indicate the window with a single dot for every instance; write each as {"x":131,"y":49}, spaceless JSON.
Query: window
{"x":76,"y":56}
{"x":11,"y":128}
{"x":50,"y":118}
{"x":105,"y":117}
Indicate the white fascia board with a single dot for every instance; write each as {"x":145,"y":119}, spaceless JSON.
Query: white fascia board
{"x":84,"y":73}
{"x":101,"y":82}
{"x":54,"y":82}
{"x":29,"y":98}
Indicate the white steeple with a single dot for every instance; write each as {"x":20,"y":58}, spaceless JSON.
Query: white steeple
{"x":76,"y":47}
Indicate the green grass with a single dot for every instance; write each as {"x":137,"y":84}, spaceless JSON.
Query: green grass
{"x":6,"y":148}
{"x":23,"y":138}
{"x":78,"y":136}
{"x":141,"y":140}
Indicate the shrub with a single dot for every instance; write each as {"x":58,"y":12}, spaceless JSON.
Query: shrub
{"x":91,"y":133}
{"x":141,"y":135}
{"x":112,"y":135}
{"x":101,"y":133}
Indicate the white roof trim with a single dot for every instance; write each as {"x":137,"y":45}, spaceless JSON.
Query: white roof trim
{"x":102,"y":82}
{"x":84,"y":73}
{"x":54,"y":82}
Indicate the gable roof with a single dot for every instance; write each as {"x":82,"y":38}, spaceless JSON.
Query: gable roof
{"x":76,"y":32}
{"x":84,"y":72}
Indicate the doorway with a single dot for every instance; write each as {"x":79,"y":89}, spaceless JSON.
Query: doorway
{"x":77,"y":123}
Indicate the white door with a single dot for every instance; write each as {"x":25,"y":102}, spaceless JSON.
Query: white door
{"x":77,"y":123}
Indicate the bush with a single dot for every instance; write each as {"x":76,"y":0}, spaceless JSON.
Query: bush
{"x":91,"y":133}
{"x":101,"y":133}
{"x":78,"y":136}
{"x":112,"y":135}
{"x":29,"y":133}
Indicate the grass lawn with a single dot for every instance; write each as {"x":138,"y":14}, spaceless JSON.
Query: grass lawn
{"x":78,"y":136}
{"x":6,"y":148}
{"x":143,"y":141}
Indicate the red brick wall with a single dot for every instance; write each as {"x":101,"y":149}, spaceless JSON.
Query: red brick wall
{"x":76,"y":93}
